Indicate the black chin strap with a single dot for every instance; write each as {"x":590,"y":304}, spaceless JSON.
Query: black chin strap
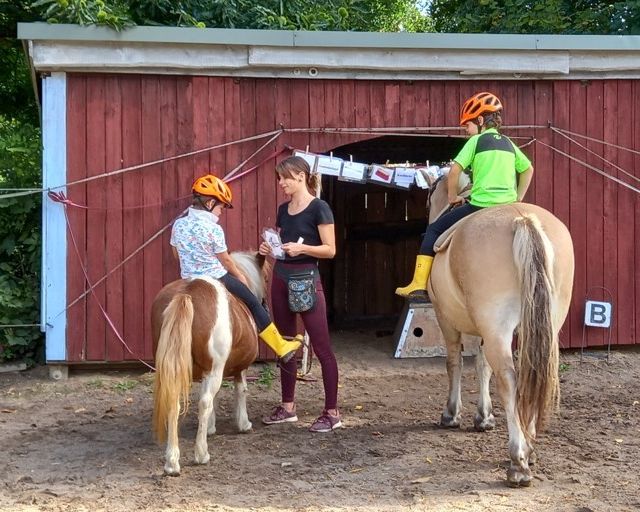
{"x":203,"y":204}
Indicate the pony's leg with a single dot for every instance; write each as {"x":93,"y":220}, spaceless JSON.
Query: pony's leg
{"x":172,"y":453}
{"x":450,"y":417}
{"x":484,"y":419}
{"x":240,"y":413}
{"x":533,"y":457}
{"x":211,"y":426}
{"x":498,"y":354}
{"x":209,"y":389}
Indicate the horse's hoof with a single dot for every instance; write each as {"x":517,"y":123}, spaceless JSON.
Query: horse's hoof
{"x":211,"y":431}
{"x":447,"y":421}
{"x":202,"y":459}
{"x":533,"y":458}
{"x":483,"y":424}
{"x":518,"y":478}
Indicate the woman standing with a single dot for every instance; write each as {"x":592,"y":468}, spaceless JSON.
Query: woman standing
{"x":307,"y":232}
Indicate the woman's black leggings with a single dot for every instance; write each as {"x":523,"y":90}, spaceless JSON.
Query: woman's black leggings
{"x":435,"y":229}
{"x":259,"y":313}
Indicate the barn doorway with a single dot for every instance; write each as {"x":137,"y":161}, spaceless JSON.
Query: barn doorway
{"x":378,"y":232}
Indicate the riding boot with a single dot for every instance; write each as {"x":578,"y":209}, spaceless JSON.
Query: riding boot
{"x":284,"y":349}
{"x":420,"y":277}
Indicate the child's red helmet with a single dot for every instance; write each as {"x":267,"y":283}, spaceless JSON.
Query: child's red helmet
{"x":479,"y":104}
{"x":212,"y":186}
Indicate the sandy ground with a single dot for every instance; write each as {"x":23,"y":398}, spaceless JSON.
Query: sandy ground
{"x":85,"y":443}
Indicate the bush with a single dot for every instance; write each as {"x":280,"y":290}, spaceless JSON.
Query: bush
{"x":19,"y":241}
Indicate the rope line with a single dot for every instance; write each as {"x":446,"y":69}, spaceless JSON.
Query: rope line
{"x":56,"y":197}
{"x":591,"y":167}
{"x":230,"y":174}
{"x":559,"y":132}
{"x":606,"y":143}
{"x":8,"y":326}
{"x":91,"y":288}
{"x":140,"y":166}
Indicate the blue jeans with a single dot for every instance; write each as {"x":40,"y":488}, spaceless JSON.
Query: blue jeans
{"x":258,"y":312}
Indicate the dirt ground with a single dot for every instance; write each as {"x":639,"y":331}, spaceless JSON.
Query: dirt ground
{"x":85,"y":443}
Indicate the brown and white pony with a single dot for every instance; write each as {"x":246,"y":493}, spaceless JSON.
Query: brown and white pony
{"x":202,"y":332}
{"x":504,"y":269}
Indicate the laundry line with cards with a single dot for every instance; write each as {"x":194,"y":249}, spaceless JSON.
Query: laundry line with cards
{"x":396,"y":175}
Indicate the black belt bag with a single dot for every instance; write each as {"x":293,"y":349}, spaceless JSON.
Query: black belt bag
{"x":301,"y":287}
{"x":302,"y":291}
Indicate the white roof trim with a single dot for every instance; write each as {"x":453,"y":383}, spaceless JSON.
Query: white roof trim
{"x":224,"y":52}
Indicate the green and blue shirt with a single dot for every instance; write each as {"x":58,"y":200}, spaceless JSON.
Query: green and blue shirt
{"x":494,"y":161}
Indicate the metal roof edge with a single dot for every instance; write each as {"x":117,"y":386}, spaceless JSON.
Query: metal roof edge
{"x":284,"y":38}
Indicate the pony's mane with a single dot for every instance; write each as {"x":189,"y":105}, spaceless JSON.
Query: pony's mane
{"x":250,"y":264}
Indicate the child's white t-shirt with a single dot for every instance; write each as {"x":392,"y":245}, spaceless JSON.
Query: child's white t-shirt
{"x":198,"y":238}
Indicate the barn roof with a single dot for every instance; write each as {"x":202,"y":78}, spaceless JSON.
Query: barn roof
{"x":308,"y":54}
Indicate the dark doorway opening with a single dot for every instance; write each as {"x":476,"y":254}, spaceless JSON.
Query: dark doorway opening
{"x":378,"y":231}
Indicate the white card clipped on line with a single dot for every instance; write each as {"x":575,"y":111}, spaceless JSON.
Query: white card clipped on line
{"x":329,"y":165}
{"x":310,"y":158}
{"x":353,"y":171}
{"x":381,"y":175}
{"x":404,"y":177}
{"x":421,"y":181}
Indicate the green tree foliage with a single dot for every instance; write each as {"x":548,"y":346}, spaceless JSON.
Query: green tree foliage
{"x":536,"y":17}
{"x":19,"y":240}
{"x":20,"y":150}
{"x":361,"y":15}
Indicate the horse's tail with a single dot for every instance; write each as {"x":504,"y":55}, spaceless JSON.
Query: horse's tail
{"x":173,"y":363}
{"x":538,"y":389}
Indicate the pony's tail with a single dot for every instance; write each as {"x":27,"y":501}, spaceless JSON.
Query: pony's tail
{"x":538,"y":389}
{"x":173,"y":364}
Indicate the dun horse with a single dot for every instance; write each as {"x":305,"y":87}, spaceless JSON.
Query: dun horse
{"x":201,"y":332}
{"x":504,"y":269}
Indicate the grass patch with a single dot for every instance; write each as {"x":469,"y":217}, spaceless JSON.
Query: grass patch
{"x":267,"y":376}
{"x":95,"y":383}
{"x":125,"y":385}
{"x":564,"y":367}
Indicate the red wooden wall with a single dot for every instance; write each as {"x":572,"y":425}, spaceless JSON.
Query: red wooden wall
{"x":125,"y":120}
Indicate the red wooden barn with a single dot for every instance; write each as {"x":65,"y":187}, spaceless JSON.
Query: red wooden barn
{"x":154,"y":107}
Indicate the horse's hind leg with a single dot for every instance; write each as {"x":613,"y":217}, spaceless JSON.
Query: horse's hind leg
{"x":450,"y":417}
{"x":208,"y":390}
{"x":533,"y":457}
{"x":498,"y":354}
{"x":172,"y":453}
{"x":484,"y":419}
{"x":240,"y":413}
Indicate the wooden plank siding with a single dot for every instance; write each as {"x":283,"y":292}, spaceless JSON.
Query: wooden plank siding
{"x":116,"y":121}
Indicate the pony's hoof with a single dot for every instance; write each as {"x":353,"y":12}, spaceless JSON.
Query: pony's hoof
{"x":243,"y":429}
{"x":518,"y":478}
{"x":171,"y":470}
{"x":447,"y":421}
{"x":211,"y":431}
{"x":533,"y":458}
{"x":483,"y":424}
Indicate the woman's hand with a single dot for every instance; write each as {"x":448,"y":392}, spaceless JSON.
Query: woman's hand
{"x":293,"y":248}
{"x":265,"y":249}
